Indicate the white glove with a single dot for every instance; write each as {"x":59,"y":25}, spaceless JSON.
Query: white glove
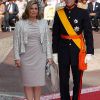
{"x":88,"y":58}
{"x":55,"y":58}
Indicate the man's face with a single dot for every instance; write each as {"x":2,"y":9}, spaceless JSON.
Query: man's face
{"x":69,"y":2}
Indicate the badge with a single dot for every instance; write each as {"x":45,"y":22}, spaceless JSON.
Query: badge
{"x":75,"y":21}
{"x":76,"y":29}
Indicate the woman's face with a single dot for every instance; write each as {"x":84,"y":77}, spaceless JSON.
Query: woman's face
{"x":33,"y":11}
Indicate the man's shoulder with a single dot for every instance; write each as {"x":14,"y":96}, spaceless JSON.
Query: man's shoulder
{"x":98,"y":4}
{"x":59,"y":9}
{"x":81,"y":9}
{"x":59,"y":6}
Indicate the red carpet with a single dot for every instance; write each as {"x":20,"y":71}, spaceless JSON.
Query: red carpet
{"x":92,"y":93}
{"x":89,"y":96}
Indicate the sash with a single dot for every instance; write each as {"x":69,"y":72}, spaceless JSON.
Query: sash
{"x":68,"y":27}
{"x":78,"y":39}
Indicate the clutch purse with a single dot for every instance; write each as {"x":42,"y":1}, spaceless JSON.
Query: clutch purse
{"x":52,"y":72}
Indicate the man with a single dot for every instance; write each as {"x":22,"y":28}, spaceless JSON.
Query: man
{"x":68,"y":48}
{"x":11,"y":12}
{"x":94,"y":13}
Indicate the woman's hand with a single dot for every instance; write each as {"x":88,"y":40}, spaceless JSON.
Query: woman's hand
{"x":50,"y":60}
{"x":17,"y":63}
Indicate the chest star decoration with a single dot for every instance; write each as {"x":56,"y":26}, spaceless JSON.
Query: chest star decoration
{"x":76,"y":28}
{"x":75,"y":21}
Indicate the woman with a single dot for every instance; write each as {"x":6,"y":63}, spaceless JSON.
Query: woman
{"x":32,"y":48}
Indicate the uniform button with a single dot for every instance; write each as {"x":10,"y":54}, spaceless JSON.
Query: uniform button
{"x":68,"y":17}
{"x":69,"y":11}
{"x":70,"y":44}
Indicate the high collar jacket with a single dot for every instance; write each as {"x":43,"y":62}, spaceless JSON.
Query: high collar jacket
{"x":20,"y":38}
{"x":80,"y":21}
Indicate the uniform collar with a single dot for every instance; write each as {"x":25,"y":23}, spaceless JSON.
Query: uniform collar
{"x":71,"y":7}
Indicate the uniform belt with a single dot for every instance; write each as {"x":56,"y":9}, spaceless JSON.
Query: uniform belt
{"x":71,"y":37}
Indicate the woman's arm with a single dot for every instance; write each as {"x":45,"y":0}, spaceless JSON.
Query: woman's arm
{"x":16,"y":41}
{"x":49,"y":42}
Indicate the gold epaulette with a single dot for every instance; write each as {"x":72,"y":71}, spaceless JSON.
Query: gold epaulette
{"x":82,"y":6}
{"x":59,"y":7}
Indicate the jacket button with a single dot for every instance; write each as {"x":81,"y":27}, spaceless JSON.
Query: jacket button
{"x":70,"y":44}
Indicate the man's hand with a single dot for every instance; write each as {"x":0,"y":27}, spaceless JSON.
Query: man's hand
{"x":55,"y":58}
{"x":92,"y":14}
{"x":88,"y":58}
{"x":17,"y":63}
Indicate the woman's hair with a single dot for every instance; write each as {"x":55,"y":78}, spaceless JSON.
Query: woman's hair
{"x":25,"y":15}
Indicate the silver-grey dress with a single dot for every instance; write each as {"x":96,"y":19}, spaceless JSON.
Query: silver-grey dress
{"x":33,"y":60}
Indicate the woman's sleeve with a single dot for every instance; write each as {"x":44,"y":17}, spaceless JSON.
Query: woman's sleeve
{"x":16,"y":41}
{"x":56,"y":33}
{"x":49,"y":42}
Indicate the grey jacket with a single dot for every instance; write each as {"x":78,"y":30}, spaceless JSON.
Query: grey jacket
{"x":20,"y":38}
